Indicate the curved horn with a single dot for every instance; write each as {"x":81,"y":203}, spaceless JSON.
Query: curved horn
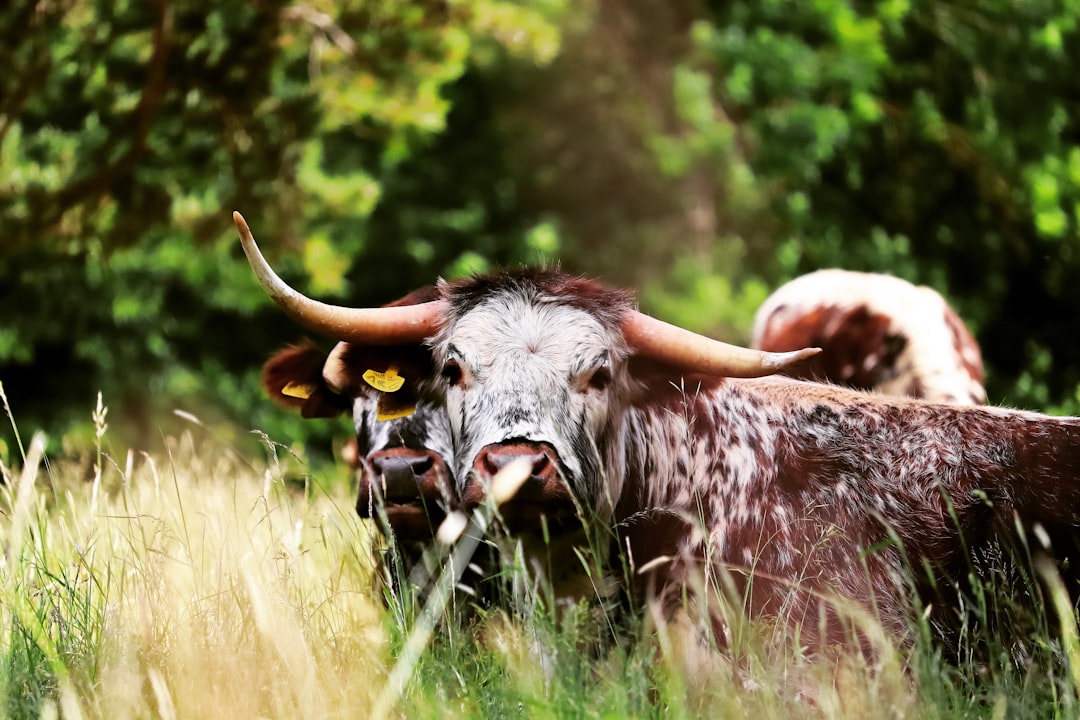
{"x":370,"y":326}
{"x":666,"y":342}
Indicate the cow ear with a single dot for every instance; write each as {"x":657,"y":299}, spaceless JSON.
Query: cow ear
{"x":293,"y":377}
{"x":345,"y":368}
{"x":292,"y":374}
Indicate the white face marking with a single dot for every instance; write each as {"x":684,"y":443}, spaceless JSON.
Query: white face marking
{"x":428,"y":428}
{"x":534,"y":370}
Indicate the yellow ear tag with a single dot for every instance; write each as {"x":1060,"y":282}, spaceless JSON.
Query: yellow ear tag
{"x":298,"y":390}
{"x":386,"y":382}
{"x":389,"y":411}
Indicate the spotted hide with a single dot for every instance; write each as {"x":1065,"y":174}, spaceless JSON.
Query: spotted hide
{"x":797,"y":501}
{"x":877,"y":332}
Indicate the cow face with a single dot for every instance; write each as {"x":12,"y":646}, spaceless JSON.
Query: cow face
{"x":402,"y":442}
{"x":529,"y":374}
{"x":404,"y":465}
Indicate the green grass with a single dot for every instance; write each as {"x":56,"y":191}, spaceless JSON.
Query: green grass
{"x":196,"y":583}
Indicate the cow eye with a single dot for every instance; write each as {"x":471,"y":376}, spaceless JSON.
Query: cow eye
{"x":600,"y":378}
{"x":451,"y":371}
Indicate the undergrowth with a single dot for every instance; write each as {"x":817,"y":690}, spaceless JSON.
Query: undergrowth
{"x":192,"y":582}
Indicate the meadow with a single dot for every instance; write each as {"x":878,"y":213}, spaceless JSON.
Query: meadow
{"x":196,"y":582}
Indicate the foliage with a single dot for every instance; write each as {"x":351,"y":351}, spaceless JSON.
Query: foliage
{"x":701,"y":152}
{"x":933,"y":140}
{"x":352,"y":135}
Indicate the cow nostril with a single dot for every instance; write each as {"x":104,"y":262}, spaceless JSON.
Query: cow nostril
{"x":401,"y":472}
{"x":377,"y":466}
{"x":489,"y":462}
{"x":401,"y":465}
{"x":493,"y":462}
{"x":422,"y":465}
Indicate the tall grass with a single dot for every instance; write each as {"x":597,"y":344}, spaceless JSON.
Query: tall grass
{"x":192,"y":585}
{"x":195,"y":583}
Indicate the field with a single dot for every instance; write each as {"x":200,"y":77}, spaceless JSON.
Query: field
{"x":198,"y":583}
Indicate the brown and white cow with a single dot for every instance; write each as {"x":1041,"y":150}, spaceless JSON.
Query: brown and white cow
{"x":796,"y":499}
{"x":876,"y":332}
{"x":401,"y":448}
{"x":402,"y":453}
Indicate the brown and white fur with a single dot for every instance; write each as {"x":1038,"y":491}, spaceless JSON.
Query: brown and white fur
{"x":794,"y":496}
{"x":877,"y":332}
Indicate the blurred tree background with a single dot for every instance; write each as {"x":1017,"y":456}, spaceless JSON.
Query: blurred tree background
{"x":702,"y":152}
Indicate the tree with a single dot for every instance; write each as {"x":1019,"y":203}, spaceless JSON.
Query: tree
{"x":934,"y":140}
{"x":349,"y":135}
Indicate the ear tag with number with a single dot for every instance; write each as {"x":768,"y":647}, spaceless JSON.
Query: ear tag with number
{"x":386,"y":382}
{"x":301,"y":391}
{"x":391,"y":407}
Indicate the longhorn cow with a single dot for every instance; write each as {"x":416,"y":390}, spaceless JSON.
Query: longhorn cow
{"x":401,"y":449}
{"x":877,"y":332}
{"x":402,"y":442}
{"x":797,"y":498}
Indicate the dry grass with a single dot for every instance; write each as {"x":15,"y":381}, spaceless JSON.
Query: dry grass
{"x":192,"y":586}
{"x":201,"y":584}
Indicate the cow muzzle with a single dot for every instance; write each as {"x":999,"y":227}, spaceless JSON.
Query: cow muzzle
{"x":543,"y":498}
{"x":412,"y":487}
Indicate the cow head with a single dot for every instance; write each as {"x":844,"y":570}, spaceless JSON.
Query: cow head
{"x":532,"y":363}
{"x":403,"y":436}
{"x":530,"y":374}
{"x":402,"y":442}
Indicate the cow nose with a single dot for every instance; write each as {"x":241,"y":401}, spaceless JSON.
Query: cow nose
{"x":400,"y":474}
{"x":543,"y":499}
{"x":543,"y":484}
{"x":495,"y":459}
{"x":414,"y":488}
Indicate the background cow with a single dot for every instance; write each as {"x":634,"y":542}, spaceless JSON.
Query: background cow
{"x":402,"y":445}
{"x":801,"y":501}
{"x":877,"y":332}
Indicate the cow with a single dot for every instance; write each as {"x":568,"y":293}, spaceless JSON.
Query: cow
{"x":801,"y":502}
{"x":402,"y":453}
{"x":877,"y":332}
{"x":401,"y":444}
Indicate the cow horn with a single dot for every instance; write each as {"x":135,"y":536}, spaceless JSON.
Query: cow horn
{"x":370,"y":326}
{"x":677,"y":346}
